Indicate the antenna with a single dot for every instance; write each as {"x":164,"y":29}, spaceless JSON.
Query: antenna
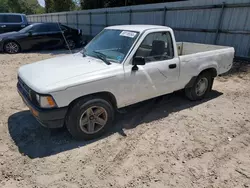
{"x":64,"y":37}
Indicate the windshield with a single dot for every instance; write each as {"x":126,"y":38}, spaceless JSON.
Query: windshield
{"x":113,"y":44}
{"x":26,"y":29}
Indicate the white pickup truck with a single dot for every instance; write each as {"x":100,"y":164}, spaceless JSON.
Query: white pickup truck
{"x":121,"y":66}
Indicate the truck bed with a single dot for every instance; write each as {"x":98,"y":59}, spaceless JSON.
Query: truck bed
{"x":187,"y":48}
{"x":202,"y":55}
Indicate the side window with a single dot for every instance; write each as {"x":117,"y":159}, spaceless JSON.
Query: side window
{"x":13,"y":19}
{"x":156,"y":47}
{"x":40,"y":28}
{"x":54,"y":28}
{"x":63,"y":28}
{"x":25,"y":20}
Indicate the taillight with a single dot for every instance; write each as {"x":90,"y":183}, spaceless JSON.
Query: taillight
{"x":79,"y":31}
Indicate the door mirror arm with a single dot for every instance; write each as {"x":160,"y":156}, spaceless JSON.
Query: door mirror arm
{"x":135,"y":68}
{"x":30,"y":33}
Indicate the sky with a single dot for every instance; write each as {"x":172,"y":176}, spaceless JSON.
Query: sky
{"x":41,"y":2}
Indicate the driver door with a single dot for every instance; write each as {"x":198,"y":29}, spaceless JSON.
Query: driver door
{"x":38,"y":37}
{"x":161,"y":71}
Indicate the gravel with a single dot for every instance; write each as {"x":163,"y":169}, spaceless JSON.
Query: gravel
{"x":164,"y":142}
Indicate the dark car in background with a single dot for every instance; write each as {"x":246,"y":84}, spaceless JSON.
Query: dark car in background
{"x":40,"y":36}
{"x":12,"y":22}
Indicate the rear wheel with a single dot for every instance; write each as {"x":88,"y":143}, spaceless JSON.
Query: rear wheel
{"x":89,"y":118}
{"x":11,"y":47}
{"x":70,"y":44}
{"x":201,"y":87}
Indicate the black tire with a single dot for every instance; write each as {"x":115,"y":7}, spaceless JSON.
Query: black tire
{"x":70,"y":44}
{"x":79,"y":109}
{"x":192,"y":94}
{"x":11,"y":47}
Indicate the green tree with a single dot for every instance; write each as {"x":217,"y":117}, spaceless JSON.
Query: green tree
{"x":34,"y":7}
{"x":49,"y":6}
{"x":63,"y":5}
{"x":22,"y":6}
{"x":14,"y":6}
{"x":4,"y":7}
{"x":91,"y":4}
{"x":59,"y":5}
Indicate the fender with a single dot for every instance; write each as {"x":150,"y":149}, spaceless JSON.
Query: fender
{"x":193,"y":79}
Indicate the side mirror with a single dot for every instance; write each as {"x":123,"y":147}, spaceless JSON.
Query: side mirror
{"x":139,"y":60}
{"x":30,"y":33}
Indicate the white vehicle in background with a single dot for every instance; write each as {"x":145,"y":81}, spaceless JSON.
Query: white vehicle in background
{"x":121,"y":66}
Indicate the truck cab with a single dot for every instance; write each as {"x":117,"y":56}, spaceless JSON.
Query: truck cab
{"x":10,"y":22}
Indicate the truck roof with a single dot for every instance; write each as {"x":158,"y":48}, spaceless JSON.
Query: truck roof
{"x":139,"y":28}
{"x":12,"y":14}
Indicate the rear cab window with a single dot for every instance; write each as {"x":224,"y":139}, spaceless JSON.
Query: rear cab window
{"x":11,"y":19}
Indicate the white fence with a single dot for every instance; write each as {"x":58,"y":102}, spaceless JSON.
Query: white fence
{"x":222,"y":22}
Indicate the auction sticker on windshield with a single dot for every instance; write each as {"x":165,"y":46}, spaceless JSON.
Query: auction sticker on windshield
{"x":128,"y":34}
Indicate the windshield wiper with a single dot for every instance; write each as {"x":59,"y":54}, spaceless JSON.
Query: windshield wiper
{"x":102,"y":57}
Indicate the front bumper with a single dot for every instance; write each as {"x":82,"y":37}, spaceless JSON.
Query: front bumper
{"x":1,"y":46}
{"x":50,"y":118}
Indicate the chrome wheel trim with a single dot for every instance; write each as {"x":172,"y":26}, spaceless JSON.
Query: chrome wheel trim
{"x":12,"y":47}
{"x":201,"y":87}
{"x":93,"y":119}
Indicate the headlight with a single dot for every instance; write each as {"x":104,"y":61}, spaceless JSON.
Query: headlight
{"x":45,"y":101}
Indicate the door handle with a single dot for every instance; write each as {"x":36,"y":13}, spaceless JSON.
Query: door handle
{"x":3,"y":26}
{"x":172,"y":66}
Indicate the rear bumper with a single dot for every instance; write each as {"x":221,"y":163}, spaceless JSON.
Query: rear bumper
{"x":50,"y":118}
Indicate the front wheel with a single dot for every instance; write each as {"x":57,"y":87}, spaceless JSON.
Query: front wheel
{"x":201,"y":87}
{"x":11,"y":47}
{"x":89,"y":118}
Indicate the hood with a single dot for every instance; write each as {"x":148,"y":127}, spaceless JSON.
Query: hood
{"x":9,"y":34}
{"x":44,"y":76}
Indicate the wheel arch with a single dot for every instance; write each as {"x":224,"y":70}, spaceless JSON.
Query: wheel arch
{"x":73,"y":115}
{"x":12,"y":40}
{"x":210,"y":70}
{"x":108,"y":96}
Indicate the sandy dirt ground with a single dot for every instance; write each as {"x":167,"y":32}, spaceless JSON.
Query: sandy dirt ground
{"x":160,"y":143}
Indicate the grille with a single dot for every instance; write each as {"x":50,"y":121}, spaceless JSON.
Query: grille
{"x":24,"y":87}
{"x":28,"y":93}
